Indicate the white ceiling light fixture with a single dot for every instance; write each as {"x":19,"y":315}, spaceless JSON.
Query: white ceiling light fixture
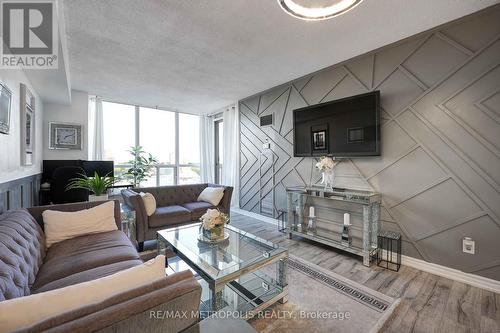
{"x":316,"y":10}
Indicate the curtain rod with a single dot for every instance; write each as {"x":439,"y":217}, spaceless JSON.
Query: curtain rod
{"x":220,"y":111}
{"x":142,"y":105}
{"x":162,"y":108}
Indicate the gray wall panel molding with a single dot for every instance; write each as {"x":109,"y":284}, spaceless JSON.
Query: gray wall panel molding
{"x":20,"y":193}
{"x":440,"y":98}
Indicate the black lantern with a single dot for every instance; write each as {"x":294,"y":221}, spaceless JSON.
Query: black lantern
{"x":389,"y":250}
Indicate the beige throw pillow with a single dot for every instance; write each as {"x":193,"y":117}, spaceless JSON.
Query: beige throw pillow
{"x":60,"y":226}
{"x":20,"y":313}
{"x":212,"y":195}
{"x":149,"y":203}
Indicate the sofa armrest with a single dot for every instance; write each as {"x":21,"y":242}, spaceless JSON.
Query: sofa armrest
{"x":37,"y":211}
{"x":140,"y":309}
{"x":134,"y":200}
{"x":225,"y":203}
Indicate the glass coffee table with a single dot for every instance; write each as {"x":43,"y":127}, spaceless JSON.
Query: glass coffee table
{"x":243,"y":273}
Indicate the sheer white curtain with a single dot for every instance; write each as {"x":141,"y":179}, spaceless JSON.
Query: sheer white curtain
{"x":96,"y":129}
{"x":207,"y":149}
{"x":230,"y":162}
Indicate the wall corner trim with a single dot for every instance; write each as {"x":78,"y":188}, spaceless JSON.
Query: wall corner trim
{"x":439,"y":270}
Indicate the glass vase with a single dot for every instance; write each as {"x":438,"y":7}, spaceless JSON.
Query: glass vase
{"x":327,"y":180}
{"x":216,"y":233}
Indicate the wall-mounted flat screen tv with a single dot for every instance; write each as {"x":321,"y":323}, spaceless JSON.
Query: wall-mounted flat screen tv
{"x":347,"y":127}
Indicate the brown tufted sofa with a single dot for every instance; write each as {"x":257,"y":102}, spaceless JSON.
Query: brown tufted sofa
{"x":175,"y":205}
{"x":26,"y":267}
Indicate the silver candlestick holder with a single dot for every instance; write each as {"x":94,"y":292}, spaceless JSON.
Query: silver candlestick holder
{"x":311,"y":224}
{"x":346,"y":236}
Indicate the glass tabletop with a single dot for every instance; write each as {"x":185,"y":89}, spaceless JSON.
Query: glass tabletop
{"x":343,"y":194}
{"x":215,"y":261}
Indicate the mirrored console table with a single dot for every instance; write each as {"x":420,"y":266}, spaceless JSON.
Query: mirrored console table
{"x":328,"y":225}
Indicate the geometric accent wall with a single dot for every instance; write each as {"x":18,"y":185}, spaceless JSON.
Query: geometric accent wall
{"x":439,"y":172}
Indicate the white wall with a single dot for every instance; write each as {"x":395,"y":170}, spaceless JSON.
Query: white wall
{"x":10,"y":150}
{"x":76,"y":113}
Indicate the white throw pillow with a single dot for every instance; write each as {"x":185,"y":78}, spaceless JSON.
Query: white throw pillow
{"x":20,"y":313}
{"x":60,"y":226}
{"x":149,"y":203}
{"x":212,"y":195}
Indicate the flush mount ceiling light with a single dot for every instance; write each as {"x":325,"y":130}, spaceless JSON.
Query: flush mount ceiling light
{"x":315,"y":10}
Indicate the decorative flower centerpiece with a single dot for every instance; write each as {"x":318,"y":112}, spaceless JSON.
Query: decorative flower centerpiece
{"x":212,"y":223}
{"x":326,"y":165}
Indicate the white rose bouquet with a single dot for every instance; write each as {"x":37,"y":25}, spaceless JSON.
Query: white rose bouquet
{"x":326,"y":164}
{"x":213,"y":218}
{"x":212,"y":223}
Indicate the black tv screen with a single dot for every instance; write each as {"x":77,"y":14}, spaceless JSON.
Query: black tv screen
{"x":103,"y":168}
{"x":348,"y":127}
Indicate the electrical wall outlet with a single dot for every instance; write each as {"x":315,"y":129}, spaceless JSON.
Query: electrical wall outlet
{"x":266,"y":145}
{"x":468,"y":245}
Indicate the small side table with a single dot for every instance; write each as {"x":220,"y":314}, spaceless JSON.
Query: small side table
{"x":127,"y":216}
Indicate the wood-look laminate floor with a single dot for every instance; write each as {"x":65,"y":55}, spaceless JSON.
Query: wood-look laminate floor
{"x":429,"y":303}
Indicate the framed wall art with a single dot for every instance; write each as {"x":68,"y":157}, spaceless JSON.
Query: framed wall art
{"x":28,"y":126}
{"x":319,"y":139}
{"x":65,"y":136}
{"x":5,"y":103}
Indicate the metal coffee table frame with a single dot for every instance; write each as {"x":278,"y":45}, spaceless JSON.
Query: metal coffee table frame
{"x":217,"y":280}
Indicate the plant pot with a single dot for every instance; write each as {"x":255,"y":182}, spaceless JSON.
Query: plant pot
{"x":102,"y":197}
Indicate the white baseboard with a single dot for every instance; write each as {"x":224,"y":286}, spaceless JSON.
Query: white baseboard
{"x":450,"y":273}
{"x":256,"y":216}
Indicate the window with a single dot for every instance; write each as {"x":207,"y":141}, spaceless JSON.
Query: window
{"x":219,"y":149}
{"x":189,"y":149}
{"x":119,"y":135}
{"x":166,"y":176}
{"x":189,"y":139}
{"x":157,"y":134}
{"x":189,"y":174}
{"x":171,"y":137}
{"x":119,"y":131}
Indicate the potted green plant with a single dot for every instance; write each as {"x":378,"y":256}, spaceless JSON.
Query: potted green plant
{"x":96,"y":184}
{"x":142,"y":165}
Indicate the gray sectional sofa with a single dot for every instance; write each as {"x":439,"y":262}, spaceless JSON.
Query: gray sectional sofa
{"x":175,"y":205}
{"x":26,"y":267}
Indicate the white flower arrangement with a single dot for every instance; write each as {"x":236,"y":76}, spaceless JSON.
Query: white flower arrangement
{"x":213,"y":218}
{"x":326,"y":164}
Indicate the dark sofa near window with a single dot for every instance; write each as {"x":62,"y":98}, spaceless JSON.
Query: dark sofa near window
{"x":175,"y":205}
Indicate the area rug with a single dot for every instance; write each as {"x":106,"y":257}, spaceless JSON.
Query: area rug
{"x":322,"y":301}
